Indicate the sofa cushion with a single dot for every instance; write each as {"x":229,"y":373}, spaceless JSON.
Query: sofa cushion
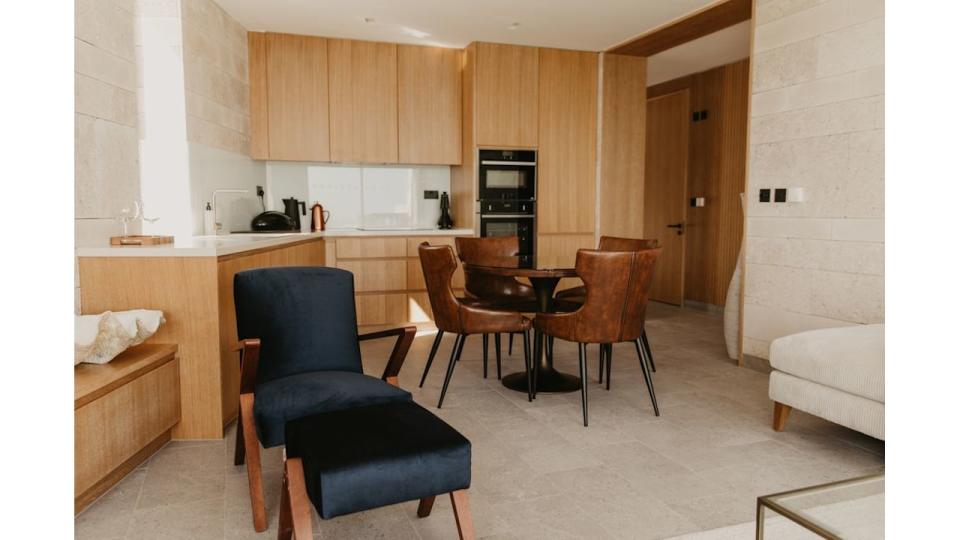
{"x":368,"y":457}
{"x":290,"y":397}
{"x":848,"y":358}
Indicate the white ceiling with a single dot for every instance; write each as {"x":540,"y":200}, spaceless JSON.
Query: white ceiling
{"x":716,"y":49}
{"x":592,"y":25}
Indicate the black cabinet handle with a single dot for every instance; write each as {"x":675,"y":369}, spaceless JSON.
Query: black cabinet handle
{"x":678,"y":226}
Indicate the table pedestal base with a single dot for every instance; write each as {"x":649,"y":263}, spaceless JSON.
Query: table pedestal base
{"x":548,"y":381}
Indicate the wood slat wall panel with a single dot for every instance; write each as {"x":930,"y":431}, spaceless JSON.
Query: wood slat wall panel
{"x":429,"y":104}
{"x":297,"y":97}
{"x":566,"y":183}
{"x":622,"y":145}
{"x":363,"y":101}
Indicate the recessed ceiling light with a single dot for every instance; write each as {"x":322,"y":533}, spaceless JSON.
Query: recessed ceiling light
{"x":414,"y":32}
{"x":368,"y":20}
{"x":513,"y":26}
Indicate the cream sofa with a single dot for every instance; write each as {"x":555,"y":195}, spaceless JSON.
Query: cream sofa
{"x":833,"y":373}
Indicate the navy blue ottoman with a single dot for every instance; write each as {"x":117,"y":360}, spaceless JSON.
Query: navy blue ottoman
{"x":367,"y":457}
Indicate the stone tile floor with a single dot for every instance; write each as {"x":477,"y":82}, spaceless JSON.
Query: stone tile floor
{"x":537,"y":472}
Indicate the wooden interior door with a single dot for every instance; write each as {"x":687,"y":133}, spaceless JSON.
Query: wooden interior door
{"x":665,"y":186}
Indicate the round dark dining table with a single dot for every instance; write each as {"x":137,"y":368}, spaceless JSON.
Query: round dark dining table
{"x":544,"y":281}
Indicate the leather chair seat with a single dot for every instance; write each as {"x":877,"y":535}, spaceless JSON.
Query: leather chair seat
{"x":576,"y":294}
{"x":368,"y":457}
{"x":504,"y":303}
{"x":283,"y":399}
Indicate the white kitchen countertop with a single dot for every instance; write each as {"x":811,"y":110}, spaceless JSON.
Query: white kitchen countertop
{"x":228,"y":244}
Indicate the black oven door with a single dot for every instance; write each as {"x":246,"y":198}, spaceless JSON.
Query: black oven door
{"x":521,"y":227}
{"x":507,"y":181}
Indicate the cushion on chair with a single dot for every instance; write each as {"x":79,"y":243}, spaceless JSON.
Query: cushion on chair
{"x":305,"y":318}
{"x":848,"y":358}
{"x":286,"y":398}
{"x":368,"y":457}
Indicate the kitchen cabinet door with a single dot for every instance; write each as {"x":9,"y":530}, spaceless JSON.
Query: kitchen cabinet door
{"x":428,"y":80}
{"x":363,"y":101}
{"x":506,"y":95}
{"x":567,"y":160}
{"x":297,"y":97}
{"x":259,"y":137}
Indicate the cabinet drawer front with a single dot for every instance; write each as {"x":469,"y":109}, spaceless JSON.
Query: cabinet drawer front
{"x":415,"y":281}
{"x":381,"y":309}
{"x":413,"y":244}
{"x":112,"y":428}
{"x":418,"y":305}
{"x":377,"y":276}
{"x":370,"y":248}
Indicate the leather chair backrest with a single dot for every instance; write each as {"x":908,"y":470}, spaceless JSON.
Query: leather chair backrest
{"x":439,"y":263}
{"x":482,"y":251}
{"x":615,"y":243}
{"x":618,"y":289}
{"x":305,"y":318}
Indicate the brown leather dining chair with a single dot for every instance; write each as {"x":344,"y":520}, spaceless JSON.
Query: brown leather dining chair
{"x":499,"y":292}
{"x":577,"y":295}
{"x":464,"y":316}
{"x":617,"y":285}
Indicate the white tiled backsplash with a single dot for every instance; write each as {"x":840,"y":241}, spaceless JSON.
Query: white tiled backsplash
{"x":357,"y":196}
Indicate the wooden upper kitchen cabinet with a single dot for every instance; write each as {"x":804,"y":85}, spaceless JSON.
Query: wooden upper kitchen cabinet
{"x":363,"y":101}
{"x":567,"y":132}
{"x":506,"y":95}
{"x":428,"y":81}
{"x":297,"y":98}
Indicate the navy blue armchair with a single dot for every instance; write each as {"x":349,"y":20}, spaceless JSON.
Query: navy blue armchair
{"x":301,"y":356}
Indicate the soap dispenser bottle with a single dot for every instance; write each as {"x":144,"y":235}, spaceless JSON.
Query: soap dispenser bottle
{"x":209,"y":227}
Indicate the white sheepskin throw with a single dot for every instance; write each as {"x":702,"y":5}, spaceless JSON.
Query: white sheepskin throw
{"x":98,"y":339}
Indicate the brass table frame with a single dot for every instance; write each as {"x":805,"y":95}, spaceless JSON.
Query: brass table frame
{"x":768,"y":502}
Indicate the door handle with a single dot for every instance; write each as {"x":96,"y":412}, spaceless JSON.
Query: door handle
{"x":677,"y":226}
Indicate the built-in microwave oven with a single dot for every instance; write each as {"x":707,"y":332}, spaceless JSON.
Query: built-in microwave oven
{"x":507,"y":175}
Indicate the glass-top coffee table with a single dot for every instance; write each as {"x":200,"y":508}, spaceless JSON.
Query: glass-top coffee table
{"x":849,"y":509}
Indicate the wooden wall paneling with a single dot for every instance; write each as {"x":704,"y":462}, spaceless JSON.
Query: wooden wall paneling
{"x":297,"y":97}
{"x":311,"y":253}
{"x":463,"y":177}
{"x":363,"y":101}
{"x":183,"y":288}
{"x":734,"y":100}
{"x":566,"y":183}
{"x":115,"y":427}
{"x":666,"y":164}
{"x":429,"y":97}
{"x":560,"y":251}
{"x":701,"y":23}
{"x":259,"y":117}
{"x":703,"y":181}
{"x":622,"y":145}
{"x":506,"y":95}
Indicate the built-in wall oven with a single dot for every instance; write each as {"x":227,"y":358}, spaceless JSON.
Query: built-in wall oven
{"x":507,"y":196}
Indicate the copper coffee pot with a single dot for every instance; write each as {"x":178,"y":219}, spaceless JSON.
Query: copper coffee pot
{"x":320,"y":217}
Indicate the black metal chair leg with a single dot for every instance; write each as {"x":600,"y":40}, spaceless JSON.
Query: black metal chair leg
{"x":538,"y":351}
{"x":609,"y":363}
{"x":600,"y":365}
{"x":510,"y":344}
{"x":496,"y":343}
{"x":526,"y":360}
{"x":485,"y":339}
{"x":433,"y":352}
{"x":647,"y":377}
{"x":583,"y":380}
{"x":646,"y":347}
{"x":454,"y":358}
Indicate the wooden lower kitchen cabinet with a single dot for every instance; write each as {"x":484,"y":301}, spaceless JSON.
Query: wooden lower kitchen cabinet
{"x":195,"y":294}
{"x":123,"y":412}
{"x":388,"y":278}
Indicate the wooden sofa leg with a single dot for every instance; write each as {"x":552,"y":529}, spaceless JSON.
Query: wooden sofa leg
{"x":426,"y":505}
{"x":298,"y":499}
{"x":461,"y":511}
{"x":285,"y":527}
{"x":254,"y":474}
{"x":780,"y":414}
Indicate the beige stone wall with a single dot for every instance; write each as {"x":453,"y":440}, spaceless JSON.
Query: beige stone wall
{"x":106,"y":170}
{"x":215,"y":76}
{"x":817,"y":123}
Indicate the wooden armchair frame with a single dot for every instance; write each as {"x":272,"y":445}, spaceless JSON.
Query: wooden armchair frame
{"x":247,"y":447}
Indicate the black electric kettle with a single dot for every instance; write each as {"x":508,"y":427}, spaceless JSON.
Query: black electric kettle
{"x":295,"y":209}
